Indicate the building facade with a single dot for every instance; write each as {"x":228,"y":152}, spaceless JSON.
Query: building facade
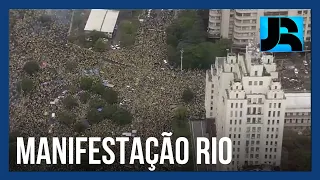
{"x":244,"y":96}
{"x":242,"y":25}
{"x":298,"y":112}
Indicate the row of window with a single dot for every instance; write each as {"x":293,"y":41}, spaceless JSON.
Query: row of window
{"x":273,"y":121}
{"x":255,"y":83}
{"x":254,"y":110}
{"x":236,"y":105}
{"x":275,"y":105}
{"x":235,"y":113}
{"x":254,"y":100}
{"x":297,"y":121}
{"x":271,"y":143}
{"x":271,"y":136}
{"x":274,"y":114}
{"x":254,"y":120}
{"x":298,"y":114}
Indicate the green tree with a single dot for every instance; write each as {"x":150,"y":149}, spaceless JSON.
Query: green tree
{"x":100,"y":45}
{"x":84,"y":97}
{"x":95,"y":35}
{"x":45,"y":19}
{"x":66,"y":118}
{"x":71,"y":66}
{"x":122,"y":117}
{"x":180,"y":115}
{"x":26,"y":85}
{"x":86,"y":83}
{"x":128,"y":27}
{"x":98,"y":88}
{"x":110,"y":96}
{"x":97,"y":103}
{"x":187,"y":95}
{"x":31,"y":67}
{"x":79,"y":127}
{"x":94,"y":116}
{"x":108,"y":111}
{"x":70,"y":102}
{"x":127,"y":40}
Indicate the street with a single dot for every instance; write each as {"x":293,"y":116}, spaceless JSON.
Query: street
{"x":198,"y":129}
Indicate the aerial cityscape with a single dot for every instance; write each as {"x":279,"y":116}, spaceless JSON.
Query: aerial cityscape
{"x":141,"y":72}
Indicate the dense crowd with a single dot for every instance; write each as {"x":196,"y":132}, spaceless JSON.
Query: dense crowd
{"x":146,"y":84}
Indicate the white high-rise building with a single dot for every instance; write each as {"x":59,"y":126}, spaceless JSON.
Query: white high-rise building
{"x":244,"y":96}
{"x":242,"y":25}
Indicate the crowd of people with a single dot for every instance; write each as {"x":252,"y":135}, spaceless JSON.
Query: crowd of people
{"x":146,"y":84}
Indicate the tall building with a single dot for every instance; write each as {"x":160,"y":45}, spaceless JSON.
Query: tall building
{"x":242,"y":25}
{"x":244,"y":96}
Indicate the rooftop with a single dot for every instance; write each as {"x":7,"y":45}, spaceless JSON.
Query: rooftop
{"x":102,"y":20}
{"x":298,"y":100}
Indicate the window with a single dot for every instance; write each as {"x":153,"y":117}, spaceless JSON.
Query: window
{"x":279,"y":105}
{"x":267,"y":143}
{"x":260,"y":100}
{"x":268,"y":121}
{"x":237,"y":103}
{"x":266,"y":149}
{"x":258,"y":136}
{"x":268,"y":129}
{"x":267,"y":135}
{"x":269,"y":113}
{"x":236,"y":114}
{"x":274,"y":105}
{"x":278,"y":121}
{"x":230,"y":136}
{"x":235,"y":122}
{"x":274,"y":113}
{"x":256,"y":73}
{"x":212,"y":86}
{"x":255,"y":83}
{"x":231,"y":113}
{"x":260,"y":83}
{"x":276,"y":135}
{"x":259,"y":129}
{"x":250,"y":83}
{"x":272,"y":122}
{"x":240,"y":105}
{"x":239,"y":136}
{"x":211,"y":108}
{"x":240,"y":113}
{"x":248,"y":120}
{"x":278,"y":114}
{"x":270,"y":104}
{"x":275,"y":95}
{"x":237,"y":95}
{"x":231,"y":105}
{"x":240,"y":121}
{"x":211,"y":97}
{"x":230,"y":121}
